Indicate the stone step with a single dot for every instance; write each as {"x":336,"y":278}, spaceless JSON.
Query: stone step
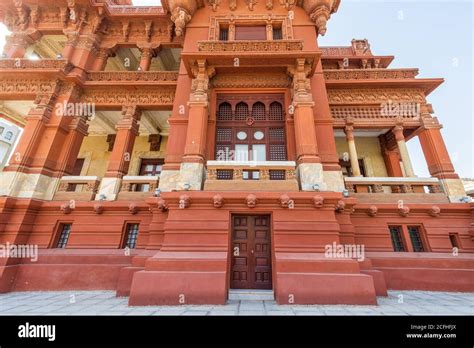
{"x":251,"y":295}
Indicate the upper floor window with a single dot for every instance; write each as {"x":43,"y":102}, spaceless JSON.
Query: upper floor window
{"x":65,"y":231}
{"x":277,"y":34}
{"x":224,"y":34}
{"x":131,"y":235}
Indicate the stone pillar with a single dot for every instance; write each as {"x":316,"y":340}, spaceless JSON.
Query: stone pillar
{"x":17,"y":44}
{"x":437,"y":156}
{"x":349,"y":130}
{"x":402,"y":147}
{"x":146,"y":57}
{"x":231,"y":31}
{"x":310,"y":169}
{"x":77,"y":131}
{"x":194,"y":159}
{"x":119,"y":160}
{"x":100,"y":60}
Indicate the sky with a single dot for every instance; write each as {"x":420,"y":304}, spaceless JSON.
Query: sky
{"x":435,"y":36}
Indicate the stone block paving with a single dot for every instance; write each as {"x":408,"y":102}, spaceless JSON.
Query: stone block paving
{"x":106,"y":303}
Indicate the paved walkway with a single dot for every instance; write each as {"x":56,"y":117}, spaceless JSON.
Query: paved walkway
{"x":105,"y":303}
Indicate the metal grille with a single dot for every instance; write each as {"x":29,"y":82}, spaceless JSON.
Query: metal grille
{"x":414,"y":232}
{"x":277,"y":152}
{"x":277,"y":134}
{"x":396,"y":235}
{"x":64,"y":237}
{"x":258,"y":111}
{"x":241,"y":111}
{"x":224,"y":134}
{"x":132,"y":235}
{"x":277,"y":174}
{"x":276,"y":112}
{"x":225,"y":112}
{"x":224,"y":34}
{"x":225,"y":174}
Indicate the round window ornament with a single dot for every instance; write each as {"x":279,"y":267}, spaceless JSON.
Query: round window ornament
{"x":258,"y":135}
{"x":241,"y":135}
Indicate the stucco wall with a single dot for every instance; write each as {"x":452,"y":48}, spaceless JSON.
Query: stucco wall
{"x":94,"y":151}
{"x":368,"y":149}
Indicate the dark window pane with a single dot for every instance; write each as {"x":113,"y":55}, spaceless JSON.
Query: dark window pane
{"x":414,"y":232}
{"x":396,"y":235}
{"x":224,"y":34}
{"x":250,"y":33}
{"x":277,"y":34}
{"x":64,"y":236}
{"x":132,"y":235}
{"x":454,"y":240}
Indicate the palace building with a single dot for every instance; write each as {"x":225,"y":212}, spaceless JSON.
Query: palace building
{"x":183,"y":152}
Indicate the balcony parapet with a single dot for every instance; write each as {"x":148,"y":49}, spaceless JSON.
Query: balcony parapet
{"x":137,"y":187}
{"x":264,"y":175}
{"x":251,"y":46}
{"x":79,"y":188}
{"x":23,"y":64}
{"x":132,"y":77}
{"x":424,"y":189}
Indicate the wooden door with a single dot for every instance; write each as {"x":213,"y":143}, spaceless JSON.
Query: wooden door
{"x":251,"y":266}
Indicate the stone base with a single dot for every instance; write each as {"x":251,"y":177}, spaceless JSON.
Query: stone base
{"x":191,"y":174}
{"x":454,"y":188}
{"x":22,"y":185}
{"x":109,"y":187}
{"x":168,"y":180}
{"x":309,"y":175}
{"x":334,"y":181}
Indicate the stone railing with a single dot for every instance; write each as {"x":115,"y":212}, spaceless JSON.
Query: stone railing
{"x":251,"y":46}
{"x":235,"y":176}
{"x":79,"y":188}
{"x":393,"y":185}
{"x":134,"y":187}
{"x":30,"y":64}
{"x":369,"y":74}
{"x":132,"y":76}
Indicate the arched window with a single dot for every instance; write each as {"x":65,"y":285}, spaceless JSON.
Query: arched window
{"x":258,"y":111}
{"x":225,"y":112}
{"x":241,"y":111}
{"x":276,"y":112}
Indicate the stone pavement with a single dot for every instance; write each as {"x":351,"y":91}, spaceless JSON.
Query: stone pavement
{"x":105,"y":303}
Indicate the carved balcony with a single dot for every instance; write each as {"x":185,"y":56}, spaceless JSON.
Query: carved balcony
{"x":138,"y":187}
{"x":78,"y":188}
{"x":253,"y":176}
{"x":132,"y":77}
{"x":415,"y":190}
{"x":18,"y":65}
{"x":267,"y":54}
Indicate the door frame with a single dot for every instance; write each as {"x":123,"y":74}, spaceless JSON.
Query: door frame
{"x":229,"y":247}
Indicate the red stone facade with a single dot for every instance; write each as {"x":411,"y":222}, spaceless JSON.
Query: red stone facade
{"x":205,"y":226}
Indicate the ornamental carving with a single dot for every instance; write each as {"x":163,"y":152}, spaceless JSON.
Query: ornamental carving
{"x":285,"y":201}
{"x":184,"y":201}
{"x":360,"y":74}
{"x":318,"y":201}
{"x":340,"y":206}
{"x":133,"y":208}
{"x":404,"y":211}
{"x":12,"y":86}
{"x":251,"y":201}
{"x":434,"y":211}
{"x":133,"y":76}
{"x":180,"y":18}
{"x":250,"y":46}
{"x":372,"y":211}
{"x":251,"y":81}
{"x":118,"y":97}
{"x":200,"y":84}
{"x":320,"y":12}
{"x":301,"y":83}
{"x":218,"y":201}
{"x":98,"y":208}
{"x":375,"y":95}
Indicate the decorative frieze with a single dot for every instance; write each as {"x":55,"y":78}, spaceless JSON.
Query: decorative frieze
{"x":151,"y":76}
{"x":250,"y":46}
{"x":360,"y":74}
{"x":251,"y":81}
{"x":375,"y":95}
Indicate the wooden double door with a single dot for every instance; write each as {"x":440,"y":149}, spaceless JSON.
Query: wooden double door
{"x":251,"y":266}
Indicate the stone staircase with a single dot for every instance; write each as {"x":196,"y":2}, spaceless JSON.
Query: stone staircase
{"x":251,"y":295}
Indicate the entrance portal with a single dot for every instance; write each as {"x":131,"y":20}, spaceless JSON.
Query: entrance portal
{"x":251,"y":266}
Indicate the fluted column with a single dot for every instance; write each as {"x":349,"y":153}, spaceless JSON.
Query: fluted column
{"x":349,"y":130}
{"x":402,"y":147}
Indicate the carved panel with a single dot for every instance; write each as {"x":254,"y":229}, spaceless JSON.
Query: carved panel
{"x":375,"y":95}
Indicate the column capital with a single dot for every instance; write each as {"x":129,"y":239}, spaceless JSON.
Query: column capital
{"x":301,"y":83}
{"x":349,"y":131}
{"x":398,"y":132}
{"x":200,"y":84}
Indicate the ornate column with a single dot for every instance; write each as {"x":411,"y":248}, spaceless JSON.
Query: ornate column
{"x":100,"y":60}
{"x":119,"y":160}
{"x":310,"y":170}
{"x":402,"y":147}
{"x":192,"y":166}
{"x":437,"y":156}
{"x":146,"y":57}
{"x":349,"y":130}
{"x":17,"y":44}
{"x":44,"y":149}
